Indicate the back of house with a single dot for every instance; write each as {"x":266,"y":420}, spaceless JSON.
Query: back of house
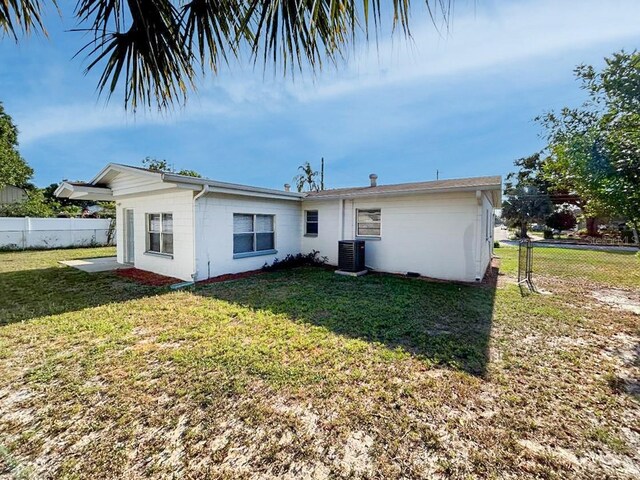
{"x":194,"y":229}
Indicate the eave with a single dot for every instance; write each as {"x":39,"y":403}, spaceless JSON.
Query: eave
{"x":83,"y":192}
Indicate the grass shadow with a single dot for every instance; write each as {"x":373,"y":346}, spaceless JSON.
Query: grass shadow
{"x":33,"y":293}
{"x":442,"y":323}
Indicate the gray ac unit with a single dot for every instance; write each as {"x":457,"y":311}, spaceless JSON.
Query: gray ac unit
{"x":351,"y":255}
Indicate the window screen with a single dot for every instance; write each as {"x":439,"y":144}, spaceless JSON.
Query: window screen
{"x":368,"y":223}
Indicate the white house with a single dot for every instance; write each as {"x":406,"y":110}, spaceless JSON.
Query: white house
{"x":194,"y":228}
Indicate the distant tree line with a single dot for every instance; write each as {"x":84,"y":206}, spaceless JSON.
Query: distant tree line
{"x":41,"y":202}
{"x":591,"y":163}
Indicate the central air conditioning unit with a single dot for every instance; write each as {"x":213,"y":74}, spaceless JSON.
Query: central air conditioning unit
{"x":351,"y":255}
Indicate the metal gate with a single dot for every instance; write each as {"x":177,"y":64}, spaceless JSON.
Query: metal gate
{"x":525,"y":264}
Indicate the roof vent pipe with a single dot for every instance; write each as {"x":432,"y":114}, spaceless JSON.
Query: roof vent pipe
{"x":287,"y":187}
{"x":374,"y":179}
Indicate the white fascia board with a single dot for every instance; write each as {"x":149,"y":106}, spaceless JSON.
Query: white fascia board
{"x":123,"y":168}
{"x":153,"y":188}
{"x":232,"y":188}
{"x":83,"y":192}
{"x":400,"y":193}
{"x":248,"y":193}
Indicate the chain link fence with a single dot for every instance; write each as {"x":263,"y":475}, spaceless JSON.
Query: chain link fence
{"x":611,"y":264}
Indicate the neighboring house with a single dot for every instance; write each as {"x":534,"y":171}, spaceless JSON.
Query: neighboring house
{"x":194,"y":228}
{"x":11,"y":194}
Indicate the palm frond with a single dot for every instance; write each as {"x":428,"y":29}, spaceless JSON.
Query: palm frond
{"x":154,"y":47}
{"x":21,"y":15}
{"x":150,"y":53}
{"x":212,"y":27}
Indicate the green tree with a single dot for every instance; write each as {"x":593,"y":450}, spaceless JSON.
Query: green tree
{"x":307,"y":178}
{"x":523,"y":205}
{"x":157,"y":165}
{"x":595,"y":149}
{"x":155,"y":49}
{"x":13,"y":168}
{"x":526,"y":191}
{"x":562,"y":219}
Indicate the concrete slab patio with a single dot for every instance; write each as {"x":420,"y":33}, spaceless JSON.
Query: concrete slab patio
{"x":92,"y":265}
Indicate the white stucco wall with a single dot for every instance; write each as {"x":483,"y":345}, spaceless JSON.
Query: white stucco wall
{"x":486,"y":233}
{"x":441,"y":235}
{"x":326,"y":242}
{"x":175,"y":201}
{"x":214,"y":232}
{"x":434,"y":234}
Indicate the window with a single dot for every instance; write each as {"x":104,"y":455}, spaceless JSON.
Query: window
{"x":253,"y":233}
{"x":368,"y":223}
{"x":311,"y":222}
{"x":160,"y":233}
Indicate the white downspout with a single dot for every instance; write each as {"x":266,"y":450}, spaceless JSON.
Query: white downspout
{"x":479,"y":241}
{"x":205,"y":189}
{"x":341,"y":219}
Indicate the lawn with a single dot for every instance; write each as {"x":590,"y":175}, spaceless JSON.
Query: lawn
{"x":614,"y":269}
{"x":304,"y":374}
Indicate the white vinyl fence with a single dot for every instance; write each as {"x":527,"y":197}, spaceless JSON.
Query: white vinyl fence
{"x":23,"y":233}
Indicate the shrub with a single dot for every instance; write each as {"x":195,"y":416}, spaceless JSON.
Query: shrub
{"x":299,"y":260}
{"x":496,"y":244}
{"x":547,"y":234}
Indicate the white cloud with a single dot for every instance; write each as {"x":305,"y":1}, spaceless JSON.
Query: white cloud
{"x":486,"y":38}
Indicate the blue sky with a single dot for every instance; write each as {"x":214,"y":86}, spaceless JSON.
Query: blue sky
{"x":460,"y":101}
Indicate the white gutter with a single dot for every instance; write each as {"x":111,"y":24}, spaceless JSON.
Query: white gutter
{"x":364,"y":193}
{"x":205,"y":189}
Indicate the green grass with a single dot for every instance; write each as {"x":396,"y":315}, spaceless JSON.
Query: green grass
{"x":615,"y":269}
{"x":305,"y":373}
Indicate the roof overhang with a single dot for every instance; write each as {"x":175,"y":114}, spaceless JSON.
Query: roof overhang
{"x":232,"y":188}
{"x":493,"y":190}
{"x":83,"y":192}
{"x":173,"y":180}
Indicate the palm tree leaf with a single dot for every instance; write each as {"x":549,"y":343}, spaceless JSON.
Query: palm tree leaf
{"x":157,"y":65}
{"x":153,"y":47}
{"x":21,"y":15}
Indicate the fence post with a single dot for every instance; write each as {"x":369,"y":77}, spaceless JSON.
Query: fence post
{"x":26,"y":232}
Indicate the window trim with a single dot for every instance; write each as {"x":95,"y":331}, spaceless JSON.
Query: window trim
{"x":254,"y":252}
{"x":148,"y":231}
{"x":306,"y":223}
{"x":373,"y":237}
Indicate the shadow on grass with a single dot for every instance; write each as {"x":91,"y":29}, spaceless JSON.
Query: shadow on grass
{"x":443,"y":323}
{"x":28,"y":294}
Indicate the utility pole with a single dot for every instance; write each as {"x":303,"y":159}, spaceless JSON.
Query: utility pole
{"x":322,"y":173}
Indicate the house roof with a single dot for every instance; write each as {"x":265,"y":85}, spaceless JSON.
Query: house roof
{"x":493,"y":183}
{"x":196,"y":183}
{"x":98,"y":186}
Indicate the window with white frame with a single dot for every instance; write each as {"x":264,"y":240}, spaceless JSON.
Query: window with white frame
{"x":368,"y":222}
{"x":160,"y":233}
{"x":253,"y":233}
{"x":311,"y":227}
